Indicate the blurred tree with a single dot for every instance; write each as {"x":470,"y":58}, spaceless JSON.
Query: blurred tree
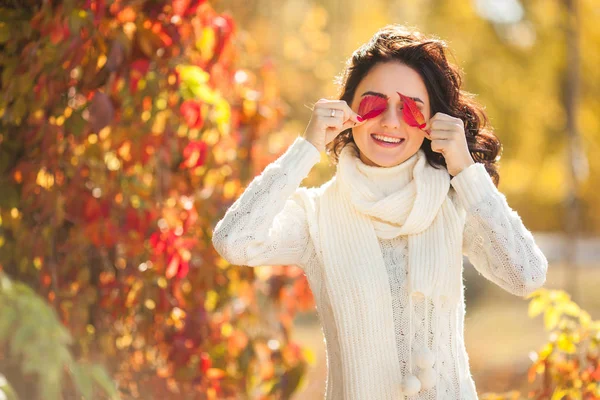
{"x":126,"y":130}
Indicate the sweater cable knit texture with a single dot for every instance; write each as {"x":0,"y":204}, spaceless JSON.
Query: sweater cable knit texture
{"x":270,"y":224}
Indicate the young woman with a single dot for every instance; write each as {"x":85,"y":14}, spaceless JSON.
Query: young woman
{"x":382,"y":242}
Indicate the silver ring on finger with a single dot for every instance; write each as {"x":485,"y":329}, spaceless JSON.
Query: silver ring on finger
{"x":333,"y":112}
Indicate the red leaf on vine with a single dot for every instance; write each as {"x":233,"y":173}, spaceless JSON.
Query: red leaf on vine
{"x":411,"y":113}
{"x":191,"y":112}
{"x":194,"y":154}
{"x":139,"y":68}
{"x":371,"y":106}
{"x":185,"y":8}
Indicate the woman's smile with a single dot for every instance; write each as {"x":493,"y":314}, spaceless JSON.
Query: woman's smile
{"x":387,"y":141}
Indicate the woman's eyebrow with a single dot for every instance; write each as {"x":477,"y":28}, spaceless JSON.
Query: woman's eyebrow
{"x":369,"y":92}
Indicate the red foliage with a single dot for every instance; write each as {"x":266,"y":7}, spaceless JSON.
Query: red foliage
{"x":192,"y":113}
{"x":125,"y":139}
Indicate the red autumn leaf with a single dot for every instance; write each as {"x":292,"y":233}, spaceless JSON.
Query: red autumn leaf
{"x":139,"y":68}
{"x":185,"y":8}
{"x":194,"y":154}
{"x":98,"y":8}
{"x":162,"y":242}
{"x":205,"y":362}
{"x":371,"y":106}
{"x":178,"y":266}
{"x":58,"y":33}
{"x":95,"y":209}
{"x":411,"y":113}
{"x":192,"y":114}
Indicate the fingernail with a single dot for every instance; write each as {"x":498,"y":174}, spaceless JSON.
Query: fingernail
{"x":359,"y":118}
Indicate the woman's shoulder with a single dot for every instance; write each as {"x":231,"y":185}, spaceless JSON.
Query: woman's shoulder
{"x":310,"y":196}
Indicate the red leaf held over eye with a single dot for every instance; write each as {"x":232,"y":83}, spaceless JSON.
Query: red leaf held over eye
{"x":411,"y":113}
{"x":371,"y":106}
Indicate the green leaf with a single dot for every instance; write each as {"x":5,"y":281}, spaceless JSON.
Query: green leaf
{"x":193,"y":79}
{"x":8,"y":315}
{"x":103,"y":380}
{"x":82,"y":380}
{"x":21,"y":338}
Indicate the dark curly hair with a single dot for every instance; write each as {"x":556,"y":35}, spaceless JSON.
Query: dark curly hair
{"x":426,"y":55}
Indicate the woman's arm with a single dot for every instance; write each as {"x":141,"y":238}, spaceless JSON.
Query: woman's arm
{"x":495,"y":240}
{"x":267,"y":224}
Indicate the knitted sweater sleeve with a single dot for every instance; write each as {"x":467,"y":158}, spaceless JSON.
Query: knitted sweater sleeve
{"x":495,"y":240}
{"x":267,"y":224}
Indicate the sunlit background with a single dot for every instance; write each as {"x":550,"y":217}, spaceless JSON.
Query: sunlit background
{"x":127,"y":128}
{"x":533,"y":64}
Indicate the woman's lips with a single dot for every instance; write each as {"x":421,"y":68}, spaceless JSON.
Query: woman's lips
{"x":387,"y":144}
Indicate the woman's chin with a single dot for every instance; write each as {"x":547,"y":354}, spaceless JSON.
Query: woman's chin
{"x":386,"y":160}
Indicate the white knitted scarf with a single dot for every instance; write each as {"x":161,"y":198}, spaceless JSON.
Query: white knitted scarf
{"x":353,"y":214}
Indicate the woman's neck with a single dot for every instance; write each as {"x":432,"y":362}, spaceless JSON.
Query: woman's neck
{"x":389,"y":179}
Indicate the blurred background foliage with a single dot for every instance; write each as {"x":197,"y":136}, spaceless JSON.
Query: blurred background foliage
{"x":514,"y":57}
{"x":128,"y":127}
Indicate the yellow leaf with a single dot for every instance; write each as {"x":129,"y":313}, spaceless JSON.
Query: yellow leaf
{"x":585,"y":319}
{"x":571,"y":309}
{"x":546,"y":351}
{"x":536,"y":306}
{"x":559,"y":394}
{"x":230,"y":189}
{"x":211,"y":300}
{"x":559,"y":296}
{"x":309,"y":356}
{"x":223,"y":115}
{"x":551,"y":318}
{"x":565,"y":344}
{"x":206,"y":43}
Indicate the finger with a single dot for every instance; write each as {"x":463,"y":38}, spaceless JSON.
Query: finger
{"x":354,"y":116}
{"x":441,"y":134}
{"x":331,"y":112}
{"x":334,"y":122}
{"x":325,"y":108}
{"x":438,"y":145}
{"x":340,"y":105}
{"x":349,"y":124}
{"x":445,"y":125}
{"x":450,"y":118}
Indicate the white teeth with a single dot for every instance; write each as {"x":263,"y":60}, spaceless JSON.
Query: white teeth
{"x":386,"y":139}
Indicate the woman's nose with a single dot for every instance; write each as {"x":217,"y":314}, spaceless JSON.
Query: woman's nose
{"x":391,"y":118}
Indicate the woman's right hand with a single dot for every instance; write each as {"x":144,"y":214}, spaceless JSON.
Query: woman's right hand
{"x":329,"y":118}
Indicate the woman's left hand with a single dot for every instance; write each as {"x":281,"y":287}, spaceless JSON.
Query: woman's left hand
{"x":447,"y":135}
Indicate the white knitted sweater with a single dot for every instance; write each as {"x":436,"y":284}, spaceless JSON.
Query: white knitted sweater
{"x":268,"y":225}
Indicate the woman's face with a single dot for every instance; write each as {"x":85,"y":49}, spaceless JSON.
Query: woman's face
{"x":384,"y":80}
